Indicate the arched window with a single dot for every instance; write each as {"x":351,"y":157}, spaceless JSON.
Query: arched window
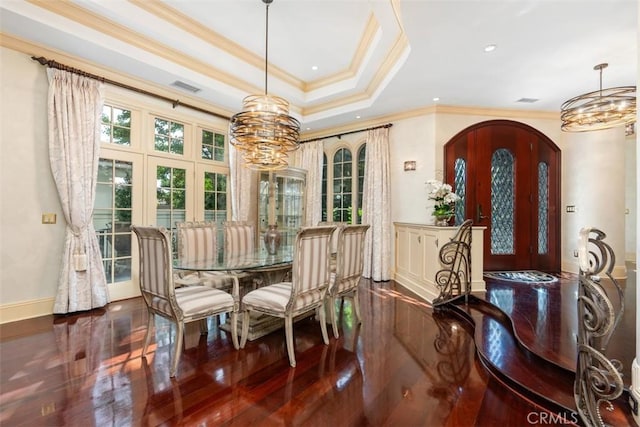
{"x":342,"y":184}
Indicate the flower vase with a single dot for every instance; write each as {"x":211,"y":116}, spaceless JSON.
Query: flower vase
{"x":272,"y":239}
{"x":443,"y":221}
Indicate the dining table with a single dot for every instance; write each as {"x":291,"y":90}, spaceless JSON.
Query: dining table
{"x":269,"y":268}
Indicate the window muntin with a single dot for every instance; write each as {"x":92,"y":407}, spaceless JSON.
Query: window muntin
{"x":213,"y":145}
{"x":168,"y":136}
{"x":116,"y":126}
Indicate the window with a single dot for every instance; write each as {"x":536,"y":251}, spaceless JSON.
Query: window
{"x":324,"y":187}
{"x":170,"y":196}
{"x":116,"y":126}
{"x":343,"y":178}
{"x":362,"y":155}
{"x":112,"y":217}
{"x":460,"y":185}
{"x":213,"y":145}
{"x":156,"y":168}
{"x":342,"y":185}
{"x":169,"y":136}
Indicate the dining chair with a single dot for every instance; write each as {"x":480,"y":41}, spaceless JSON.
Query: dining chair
{"x":334,"y":236}
{"x":179,"y":305}
{"x":304,"y":293}
{"x":349,"y":266}
{"x":239,"y":238}
{"x":197,"y":242}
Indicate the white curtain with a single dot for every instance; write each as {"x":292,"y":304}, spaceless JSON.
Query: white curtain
{"x":75,"y":105}
{"x":309,"y":157}
{"x":376,"y":209}
{"x":241,"y":180}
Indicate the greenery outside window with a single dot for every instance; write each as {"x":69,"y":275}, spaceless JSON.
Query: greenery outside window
{"x":169,"y":136}
{"x":112,"y":217}
{"x":342,"y":189}
{"x":116,"y":126}
{"x":213,"y":146}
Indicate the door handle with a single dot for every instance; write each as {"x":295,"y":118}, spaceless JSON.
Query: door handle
{"x":479,"y":213}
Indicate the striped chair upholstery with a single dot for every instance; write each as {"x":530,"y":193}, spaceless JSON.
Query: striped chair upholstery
{"x":334,"y":236}
{"x":181,"y":305}
{"x":349,"y":265}
{"x":306,"y":292}
{"x":197,"y":241}
{"x":239,"y":238}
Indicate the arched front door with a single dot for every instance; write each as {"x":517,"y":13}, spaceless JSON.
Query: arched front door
{"x":508,"y":175}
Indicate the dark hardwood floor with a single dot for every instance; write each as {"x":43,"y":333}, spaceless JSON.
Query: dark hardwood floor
{"x":406,"y":365}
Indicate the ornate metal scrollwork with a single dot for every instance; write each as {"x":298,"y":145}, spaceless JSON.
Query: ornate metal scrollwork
{"x":455,"y":279}
{"x":598,"y":379}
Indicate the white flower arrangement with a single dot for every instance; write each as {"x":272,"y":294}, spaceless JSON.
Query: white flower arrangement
{"x":444,"y":197}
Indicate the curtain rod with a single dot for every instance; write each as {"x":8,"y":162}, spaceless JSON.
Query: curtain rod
{"x":174,"y":102}
{"x":339,"y":135}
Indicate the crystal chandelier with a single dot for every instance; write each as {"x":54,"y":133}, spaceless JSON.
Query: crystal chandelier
{"x":263,"y":131}
{"x":602,"y":109}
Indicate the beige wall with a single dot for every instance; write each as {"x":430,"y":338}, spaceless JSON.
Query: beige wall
{"x":29,"y":250}
{"x":593,"y":179}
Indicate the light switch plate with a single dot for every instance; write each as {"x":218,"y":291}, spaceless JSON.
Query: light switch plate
{"x":48,"y":218}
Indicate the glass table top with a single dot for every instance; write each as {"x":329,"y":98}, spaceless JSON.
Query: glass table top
{"x":256,"y":260}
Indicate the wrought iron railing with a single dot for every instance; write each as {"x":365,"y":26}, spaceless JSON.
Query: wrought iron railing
{"x":454,"y":280}
{"x":598,"y":379}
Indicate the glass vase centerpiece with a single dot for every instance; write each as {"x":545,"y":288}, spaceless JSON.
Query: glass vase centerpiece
{"x":445,"y":201}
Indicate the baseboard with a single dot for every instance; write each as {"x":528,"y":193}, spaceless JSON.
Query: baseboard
{"x":26,"y":310}
{"x":416,"y":287}
{"x":619,"y":271}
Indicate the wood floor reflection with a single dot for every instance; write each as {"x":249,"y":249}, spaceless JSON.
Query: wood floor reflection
{"x":404,"y":366}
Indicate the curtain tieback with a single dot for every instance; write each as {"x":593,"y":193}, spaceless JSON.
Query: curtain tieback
{"x":80,"y":260}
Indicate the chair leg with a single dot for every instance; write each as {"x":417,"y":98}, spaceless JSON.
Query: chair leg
{"x":288,"y":331}
{"x":234,"y":328}
{"x":204,"y":327}
{"x":356,"y":306}
{"x":147,"y":337}
{"x":177,"y":351}
{"x":245,"y":328}
{"x":323,"y":324}
{"x":332,"y":316}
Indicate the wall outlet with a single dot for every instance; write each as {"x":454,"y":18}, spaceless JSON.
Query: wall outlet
{"x":575,"y":253}
{"x":571,"y":208}
{"x":48,"y":218}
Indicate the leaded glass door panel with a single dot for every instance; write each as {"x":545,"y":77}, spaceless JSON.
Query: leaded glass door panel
{"x":510,"y":185}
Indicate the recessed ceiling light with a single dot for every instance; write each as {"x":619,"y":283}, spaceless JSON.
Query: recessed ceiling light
{"x":308,"y":128}
{"x":314,"y":67}
{"x":357,"y":117}
{"x":436,"y":99}
{"x":490,"y":48}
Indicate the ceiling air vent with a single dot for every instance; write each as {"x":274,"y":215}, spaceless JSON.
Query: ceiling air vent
{"x":185,"y":86}
{"x":528,"y":100}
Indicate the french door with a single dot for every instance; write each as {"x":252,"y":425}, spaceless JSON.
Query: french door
{"x":507,"y":174}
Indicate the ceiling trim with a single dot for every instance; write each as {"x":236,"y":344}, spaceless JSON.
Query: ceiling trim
{"x":99,"y":23}
{"x":31,"y":49}
{"x":391,"y":60}
{"x":364,"y":46}
{"x":195,"y":28}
